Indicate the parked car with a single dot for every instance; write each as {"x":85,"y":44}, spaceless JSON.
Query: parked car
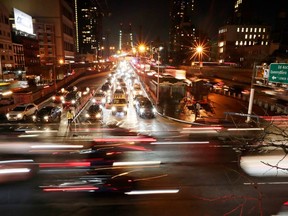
{"x":22,"y":112}
{"x":94,"y":113}
{"x":144,"y":108}
{"x":48,"y":114}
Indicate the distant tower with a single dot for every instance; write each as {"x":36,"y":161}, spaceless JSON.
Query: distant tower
{"x":125,"y":38}
{"x":89,"y":33}
{"x":182,"y":32}
{"x":243,"y":12}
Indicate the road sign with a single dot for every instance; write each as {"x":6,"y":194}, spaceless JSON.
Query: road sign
{"x":278,"y":73}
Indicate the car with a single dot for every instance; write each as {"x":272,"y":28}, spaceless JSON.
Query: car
{"x":59,"y":96}
{"x":94,"y":113}
{"x":99,"y":98}
{"x":93,"y":182}
{"x":106,"y":87}
{"x":136,"y":90}
{"x":144,"y":108}
{"x":22,"y":112}
{"x":48,"y":114}
{"x":137,"y":98}
{"x":72,"y":99}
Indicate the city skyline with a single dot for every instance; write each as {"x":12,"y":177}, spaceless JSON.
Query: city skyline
{"x":152,"y":17}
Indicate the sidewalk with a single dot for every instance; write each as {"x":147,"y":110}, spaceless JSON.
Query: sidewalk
{"x":173,"y":110}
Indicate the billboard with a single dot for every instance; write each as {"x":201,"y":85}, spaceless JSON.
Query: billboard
{"x":23,"y":22}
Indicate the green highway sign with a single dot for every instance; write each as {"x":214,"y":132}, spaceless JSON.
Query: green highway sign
{"x":278,"y":73}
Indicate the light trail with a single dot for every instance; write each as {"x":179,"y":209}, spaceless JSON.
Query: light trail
{"x":146,"y":192}
{"x":180,"y":143}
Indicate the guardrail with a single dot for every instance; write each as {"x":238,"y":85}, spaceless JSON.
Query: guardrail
{"x":273,"y":107}
{"x":42,"y":94}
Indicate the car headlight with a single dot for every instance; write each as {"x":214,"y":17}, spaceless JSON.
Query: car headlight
{"x":87,"y":115}
{"x":34,"y":117}
{"x":98,"y":115}
{"x":53,"y":98}
{"x":141,"y":110}
{"x":19,"y":115}
{"x":46,"y":118}
{"x":73,"y":101}
{"x":125,"y":108}
{"x":113,"y":108}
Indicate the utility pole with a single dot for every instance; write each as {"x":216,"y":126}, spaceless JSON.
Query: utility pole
{"x":251,"y":99}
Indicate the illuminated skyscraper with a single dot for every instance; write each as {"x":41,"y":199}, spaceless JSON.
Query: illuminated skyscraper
{"x":125,"y":38}
{"x":89,"y":30}
{"x":182,"y":30}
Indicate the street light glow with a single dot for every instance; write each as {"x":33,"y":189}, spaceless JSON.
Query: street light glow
{"x":142,"y":48}
{"x":199,"y":49}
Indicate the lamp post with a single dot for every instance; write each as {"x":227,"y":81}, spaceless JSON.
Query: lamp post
{"x":1,"y":67}
{"x":158,"y":74}
{"x":199,"y":50}
{"x":251,"y":98}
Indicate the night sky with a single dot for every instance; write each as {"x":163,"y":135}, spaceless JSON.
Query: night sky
{"x":151,"y":17}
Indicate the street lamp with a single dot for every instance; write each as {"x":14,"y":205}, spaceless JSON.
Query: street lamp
{"x":158,"y":74}
{"x":1,"y":67}
{"x":199,"y":51}
{"x":142,"y":48}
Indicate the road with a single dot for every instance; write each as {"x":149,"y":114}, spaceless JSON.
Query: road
{"x":191,"y":172}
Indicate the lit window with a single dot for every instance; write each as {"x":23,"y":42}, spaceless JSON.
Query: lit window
{"x":238,"y":29}
{"x":266,"y":43}
{"x":221,"y":44}
{"x":246,"y":29}
{"x":241,"y":43}
{"x":262,"y":42}
{"x":255,"y":29}
{"x":221,"y":50}
{"x":259,"y":29}
{"x":236,"y":43}
{"x":254,"y":36}
{"x":245,"y":43}
{"x":249,"y":43}
{"x":250,"y":36}
{"x":251,"y":29}
{"x":264,"y":30}
{"x":246,"y":36}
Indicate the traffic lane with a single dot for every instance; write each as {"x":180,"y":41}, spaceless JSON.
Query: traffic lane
{"x":217,"y":188}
